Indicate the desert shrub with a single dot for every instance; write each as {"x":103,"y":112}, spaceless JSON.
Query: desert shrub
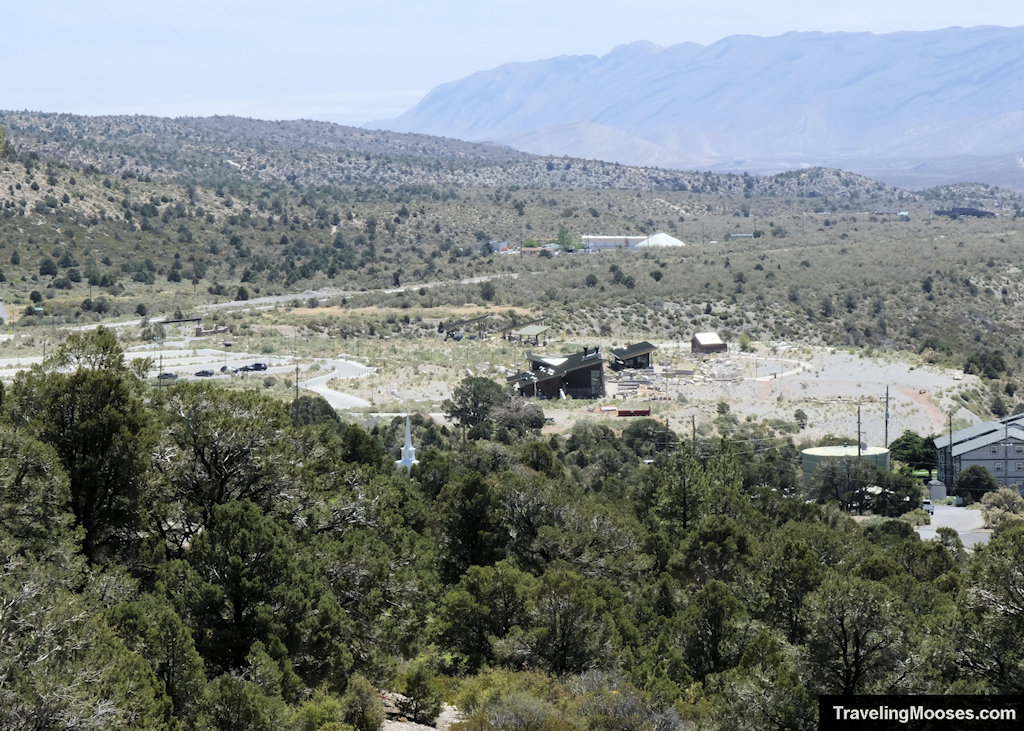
{"x":360,"y":706}
{"x":422,"y":696}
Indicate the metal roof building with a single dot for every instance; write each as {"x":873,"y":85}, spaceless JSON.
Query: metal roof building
{"x":707,"y":343}
{"x":637,"y":355}
{"x":577,"y":375}
{"x":998,"y":446}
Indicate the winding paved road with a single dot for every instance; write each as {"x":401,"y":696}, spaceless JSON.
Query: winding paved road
{"x":968,"y":523}
{"x":342,"y":369}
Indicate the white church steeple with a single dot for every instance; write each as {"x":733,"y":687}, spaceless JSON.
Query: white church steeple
{"x":408,"y":451}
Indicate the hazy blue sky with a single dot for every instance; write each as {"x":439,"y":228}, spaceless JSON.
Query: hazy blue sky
{"x":352,"y":62}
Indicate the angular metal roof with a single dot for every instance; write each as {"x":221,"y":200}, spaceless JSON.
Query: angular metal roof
{"x":631,"y":351}
{"x":660,"y":241}
{"x":1002,"y":433}
{"x":530,"y":331}
{"x":708,"y":339}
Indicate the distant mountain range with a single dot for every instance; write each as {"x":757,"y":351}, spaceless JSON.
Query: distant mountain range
{"x":913,"y":109}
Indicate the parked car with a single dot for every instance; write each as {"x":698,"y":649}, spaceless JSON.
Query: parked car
{"x":204,"y":373}
{"x":167,"y":376}
{"x":928,"y":507}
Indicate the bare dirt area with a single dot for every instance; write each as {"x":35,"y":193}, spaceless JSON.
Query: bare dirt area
{"x":770,"y":383}
{"x":828,"y":385}
{"x":396,"y":722}
{"x":448,"y":717}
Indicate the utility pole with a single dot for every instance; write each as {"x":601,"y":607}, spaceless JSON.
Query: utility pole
{"x":886,"y":417}
{"x":858,"y":431}
{"x":949,"y":474}
{"x":1006,"y":449}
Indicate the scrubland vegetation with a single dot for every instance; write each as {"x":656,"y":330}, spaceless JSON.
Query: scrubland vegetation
{"x":200,"y":557}
{"x":190,"y":556}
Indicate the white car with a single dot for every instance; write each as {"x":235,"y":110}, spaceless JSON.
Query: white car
{"x":927,"y":507}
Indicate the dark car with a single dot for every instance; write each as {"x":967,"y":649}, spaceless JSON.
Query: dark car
{"x":258,"y":367}
{"x":246,"y":368}
{"x":167,"y":376}
{"x":204,"y":374}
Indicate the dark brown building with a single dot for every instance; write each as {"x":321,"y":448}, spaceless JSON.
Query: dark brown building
{"x":637,"y":356}
{"x":576,"y":375}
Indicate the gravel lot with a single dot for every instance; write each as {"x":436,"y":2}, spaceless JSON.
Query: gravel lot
{"x":770,"y":383}
{"x":827,"y":384}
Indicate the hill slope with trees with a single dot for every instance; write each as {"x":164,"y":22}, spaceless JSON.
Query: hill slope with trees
{"x":219,"y":558}
{"x":195,"y":557}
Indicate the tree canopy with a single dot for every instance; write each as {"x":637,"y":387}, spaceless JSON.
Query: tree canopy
{"x":472,"y":401}
{"x":233,"y":561}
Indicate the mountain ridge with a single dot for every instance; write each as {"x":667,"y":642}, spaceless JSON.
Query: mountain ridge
{"x":900,"y":103}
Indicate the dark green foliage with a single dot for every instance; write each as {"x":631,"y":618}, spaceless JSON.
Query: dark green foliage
{"x":360,"y":706}
{"x":275,"y":560}
{"x":422,"y":696}
{"x":245,"y":581}
{"x":94,"y":419}
{"x":309,"y":410}
{"x":482,"y":609}
{"x":569,"y":632}
{"x":62,"y":665}
{"x":989,"y":633}
{"x":847,"y":480}
{"x":710,"y":630}
{"x":34,"y":495}
{"x":151,"y":628}
{"x":718,"y":548}
{"x":233,"y":703}
{"x":857,"y":637}
{"x":231,"y":449}
{"x":515,"y":416}
{"x":973,"y":482}
{"x":647,"y":437}
{"x":987,"y":363}
{"x":471,"y":532}
{"x":472,"y":401}
{"x":48,"y":268}
{"x":913,"y":450}
{"x":359,"y":447}
{"x":791,"y":570}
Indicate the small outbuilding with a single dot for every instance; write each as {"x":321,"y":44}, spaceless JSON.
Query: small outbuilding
{"x":636,"y":356}
{"x":530,"y":332}
{"x":707,"y":343}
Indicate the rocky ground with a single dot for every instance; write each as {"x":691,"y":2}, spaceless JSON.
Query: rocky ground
{"x":770,"y":383}
{"x":828,"y":385}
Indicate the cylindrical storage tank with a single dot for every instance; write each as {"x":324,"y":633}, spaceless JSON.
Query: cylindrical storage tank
{"x":811,"y":458}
